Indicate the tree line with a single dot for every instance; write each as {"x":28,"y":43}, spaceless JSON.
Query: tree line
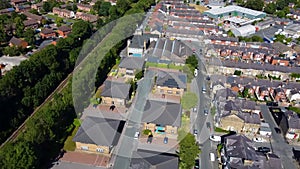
{"x":27,"y":85}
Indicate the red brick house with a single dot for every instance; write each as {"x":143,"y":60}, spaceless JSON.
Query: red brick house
{"x":280,"y":61}
{"x":47,"y":33}
{"x":63,"y":31}
{"x":84,"y":7}
{"x":278,"y":94}
{"x":30,"y":23}
{"x":17,"y":42}
{"x":262,"y":92}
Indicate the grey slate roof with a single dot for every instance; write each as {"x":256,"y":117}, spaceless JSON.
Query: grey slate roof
{"x":292,"y":119}
{"x":115,"y":89}
{"x":145,"y":159}
{"x":132,"y":63}
{"x":99,"y":131}
{"x":164,"y":113}
{"x":240,"y":146}
{"x":171,"y":79}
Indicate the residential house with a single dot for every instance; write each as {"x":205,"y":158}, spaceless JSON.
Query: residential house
{"x":22,"y":8}
{"x":145,"y":159}
{"x":162,"y":118}
{"x":170,"y":83}
{"x":282,"y":49}
{"x":7,"y":11}
{"x":169,"y":51}
{"x":217,"y":86}
{"x":294,"y":95}
{"x":294,"y":13}
{"x":64,"y":13}
{"x":262,"y":93}
{"x":32,"y":16}
{"x":17,"y":2}
{"x":225,"y":94}
{"x":63,"y":31}
{"x":98,"y":135}
{"x":137,"y":45}
{"x":280,"y":61}
{"x":115,"y":93}
{"x":278,"y":94}
{"x":129,"y":66}
{"x":37,"y":6}
{"x":30,"y":23}
{"x":290,"y":125}
{"x":239,"y":152}
{"x":84,"y":7}
{"x":86,"y":17}
{"x":17,"y":42}
{"x":47,"y":33}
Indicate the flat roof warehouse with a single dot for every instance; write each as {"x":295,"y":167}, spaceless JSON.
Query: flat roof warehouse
{"x":233,"y":8}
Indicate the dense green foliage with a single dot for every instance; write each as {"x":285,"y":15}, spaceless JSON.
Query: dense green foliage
{"x":254,"y":38}
{"x":26,"y":86}
{"x":188,"y":151}
{"x":192,"y":61}
{"x":255,"y":4}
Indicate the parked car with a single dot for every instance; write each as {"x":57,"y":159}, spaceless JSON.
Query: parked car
{"x":205,"y":112}
{"x":136,"y":135}
{"x":149,"y":140}
{"x":166,"y":140}
{"x":195,"y":132}
{"x":212,"y":157}
{"x":215,"y":138}
{"x":277,"y":130}
{"x":195,"y":109}
{"x":263,"y":149}
{"x":196,"y":164}
{"x":258,"y":139}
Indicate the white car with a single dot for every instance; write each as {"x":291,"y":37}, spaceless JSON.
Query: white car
{"x":136,"y":135}
{"x":258,"y":139}
{"x":215,"y":138}
{"x":196,"y":72}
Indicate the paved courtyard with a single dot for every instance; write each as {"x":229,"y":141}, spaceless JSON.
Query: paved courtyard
{"x":85,"y":158}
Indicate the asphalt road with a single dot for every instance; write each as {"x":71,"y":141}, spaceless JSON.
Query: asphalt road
{"x":127,"y":143}
{"x":278,"y":144}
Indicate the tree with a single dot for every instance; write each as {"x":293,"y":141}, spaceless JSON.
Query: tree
{"x":246,"y":93}
{"x":113,"y":12}
{"x":122,"y":6}
{"x":19,"y":26}
{"x":97,"y":5}
{"x":3,"y":35}
{"x":29,"y":36}
{"x":12,"y":51}
{"x":270,"y":8}
{"x":230,"y":33}
{"x":281,"y":4}
{"x":139,"y":75}
{"x":192,"y":61}
{"x":81,"y":29}
{"x":188,"y":151}
{"x":99,"y":23}
{"x":59,"y":21}
{"x":255,"y":4}
{"x":47,"y":6}
{"x":104,"y":10}
{"x":256,"y":38}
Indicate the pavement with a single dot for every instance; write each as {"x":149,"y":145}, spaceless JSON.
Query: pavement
{"x":127,"y":143}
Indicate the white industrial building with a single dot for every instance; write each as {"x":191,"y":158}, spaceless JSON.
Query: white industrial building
{"x":244,"y":30}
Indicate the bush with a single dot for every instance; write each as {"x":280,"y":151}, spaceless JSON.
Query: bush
{"x":147,"y":132}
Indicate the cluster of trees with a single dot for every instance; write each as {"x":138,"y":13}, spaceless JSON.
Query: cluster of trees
{"x":282,"y":39}
{"x":5,"y":4}
{"x":188,"y":151}
{"x":26,"y":86}
{"x":254,"y":38}
{"x":278,"y":7}
{"x":192,"y":62}
{"x":12,"y":25}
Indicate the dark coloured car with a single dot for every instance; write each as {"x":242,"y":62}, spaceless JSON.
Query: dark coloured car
{"x":263,"y":149}
{"x":207,"y":78}
{"x":277,"y":130}
{"x":205,"y":112}
{"x":273,"y":104}
{"x":149,"y":140}
{"x":196,"y":164}
{"x":195,"y":132}
{"x":166,"y":140}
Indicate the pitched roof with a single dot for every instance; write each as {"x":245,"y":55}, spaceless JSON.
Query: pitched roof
{"x":115,"y":89}
{"x":132,"y":63}
{"x":99,"y":131}
{"x":15,"y":41}
{"x":145,"y":159}
{"x":164,"y":113}
{"x":47,"y":31}
{"x":64,"y":28}
{"x":33,"y":16}
{"x":171,"y":79}
{"x":240,"y":146}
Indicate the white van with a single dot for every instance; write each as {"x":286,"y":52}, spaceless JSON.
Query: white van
{"x":212,"y":157}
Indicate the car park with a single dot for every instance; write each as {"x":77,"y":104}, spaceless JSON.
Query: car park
{"x":215,"y":138}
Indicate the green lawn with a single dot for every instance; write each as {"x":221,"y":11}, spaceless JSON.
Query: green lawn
{"x":166,"y":66}
{"x":295,"y":109}
{"x":69,"y":144}
{"x":189,"y":100}
{"x":55,"y":16}
{"x":217,"y":129}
